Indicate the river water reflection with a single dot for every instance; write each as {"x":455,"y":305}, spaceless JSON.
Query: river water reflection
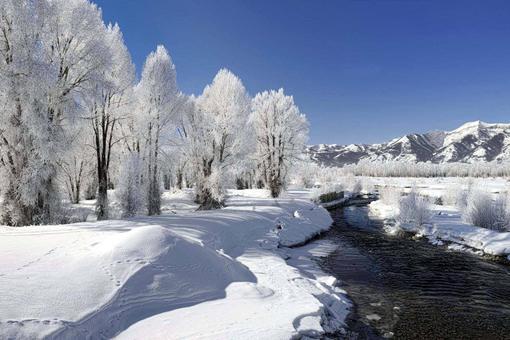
{"x":410,"y":289}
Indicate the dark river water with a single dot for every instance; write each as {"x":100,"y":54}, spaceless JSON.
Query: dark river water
{"x":407,"y":289}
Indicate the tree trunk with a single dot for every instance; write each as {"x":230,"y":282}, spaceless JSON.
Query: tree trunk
{"x":204,"y":196}
{"x":91,"y":189}
{"x":102,"y":194}
{"x":206,"y":200}
{"x":76,"y":198}
{"x":166,"y":181}
{"x":179,"y":179}
{"x":50,"y":201}
{"x":154,"y":193}
{"x":14,"y":212}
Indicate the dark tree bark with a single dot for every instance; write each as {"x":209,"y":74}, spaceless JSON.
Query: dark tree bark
{"x":103,"y":127}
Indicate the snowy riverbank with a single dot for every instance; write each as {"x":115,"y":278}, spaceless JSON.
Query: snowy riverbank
{"x":185,"y":274}
{"x":446,"y":225}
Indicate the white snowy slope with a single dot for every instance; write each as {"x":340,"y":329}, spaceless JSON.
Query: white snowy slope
{"x":214,"y":274}
{"x":472,"y":142}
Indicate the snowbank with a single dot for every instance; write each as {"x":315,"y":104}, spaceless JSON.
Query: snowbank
{"x":218,"y":274}
{"x":447,"y":225}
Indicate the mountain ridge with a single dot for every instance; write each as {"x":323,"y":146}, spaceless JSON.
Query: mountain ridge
{"x":471,"y":142}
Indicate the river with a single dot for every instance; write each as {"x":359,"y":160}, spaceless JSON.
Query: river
{"x":407,"y":289}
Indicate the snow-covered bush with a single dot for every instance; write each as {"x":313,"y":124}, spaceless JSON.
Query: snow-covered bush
{"x":73,"y":215}
{"x":330,"y":197}
{"x":389,"y":195}
{"x":367,"y":185}
{"x":348,"y":181}
{"x":129,"y":191}
{"x":356,"y":187}
{"x":451,"y":195}
{"x":461,"y":199}
{"x":414,"y":209}
{"x":328,"y":174}
{"x":457,"y":196}
{"x":325,"y":189}
{"x":215,"y":185}
{"x":306,"y":174}
{"x":484,"y":212}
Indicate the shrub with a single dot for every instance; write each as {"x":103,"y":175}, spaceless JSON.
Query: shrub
{"x":389,"y":195}
{"x":326,"y":189}
{"x":483,"y":212}
{"x":356,"y":187}
{"x":129,"y":192}
{"x":331,"y":196}
{"x":414,"y":209}
{"x":368,"y":186}
{"x":438,"y":201}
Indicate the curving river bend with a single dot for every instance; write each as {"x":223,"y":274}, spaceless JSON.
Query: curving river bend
{"x":406,"y":289}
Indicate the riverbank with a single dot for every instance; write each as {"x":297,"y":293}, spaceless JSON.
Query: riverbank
{"x":447,"y":228}
{"x":185,"y":274}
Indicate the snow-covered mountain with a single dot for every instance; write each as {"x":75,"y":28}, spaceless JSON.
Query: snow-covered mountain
{"x":472,"y":142}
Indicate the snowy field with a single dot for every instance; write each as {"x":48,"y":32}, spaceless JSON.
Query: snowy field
{"x":438,"y":186}
{"x":446,"y":224}
{"x":213,"y":274}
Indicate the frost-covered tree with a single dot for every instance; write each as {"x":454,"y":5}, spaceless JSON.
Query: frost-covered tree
{"x":129,"y":190}
{"x":218,"y":136}
{"x":305,"y":173}
{"x":76,"y":167}
{"x":108,"y":104}
{"x":159,"y":104}
{"x":50,"y":52}
{"x":281,"y":133}
{"x":179,"y":155}
{"x":367,"y":167}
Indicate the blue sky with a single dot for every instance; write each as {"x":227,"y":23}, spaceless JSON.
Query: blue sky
{"x":363,"y":71}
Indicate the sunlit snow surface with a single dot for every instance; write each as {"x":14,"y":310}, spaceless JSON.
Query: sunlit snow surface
{"x":446,"y":223}
{"x":185,"y":274}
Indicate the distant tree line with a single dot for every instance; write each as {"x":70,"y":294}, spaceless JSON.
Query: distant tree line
{"x":308,"y":174}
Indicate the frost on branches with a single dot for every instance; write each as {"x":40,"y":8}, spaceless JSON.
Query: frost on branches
{"x":73,"y":120}
{"x":281,"y":133}
{"x":51,"y":53}
{"x":159,"y":106}
{"x":108,"y":105}
{"x":218,"y":137}
{"x":129,"y":191}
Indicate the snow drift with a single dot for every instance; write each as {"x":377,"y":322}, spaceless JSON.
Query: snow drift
{"x":215,"y":274}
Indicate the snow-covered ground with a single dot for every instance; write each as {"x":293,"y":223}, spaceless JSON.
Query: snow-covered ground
{"x":437,"y":186}
{"x":446,"y":223}
{"x":212,"y":274}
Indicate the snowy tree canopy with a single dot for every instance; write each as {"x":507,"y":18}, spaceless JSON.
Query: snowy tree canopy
{"x":218,"y":138}
{"x":159,"y":106}
{"x":67,"y":82}
{"x":52,"y":52}
{"x":281,"y":133}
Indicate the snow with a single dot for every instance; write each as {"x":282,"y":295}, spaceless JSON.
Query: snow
{"x":436,"y":187}
{"x":473,"y":128}
{"x":472,"y":142}
{"x":447,"y":225}
{"x":185,"y":274}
